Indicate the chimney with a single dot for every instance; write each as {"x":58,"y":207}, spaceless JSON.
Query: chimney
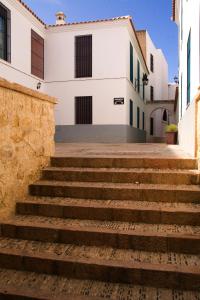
{"x":60,"y":18}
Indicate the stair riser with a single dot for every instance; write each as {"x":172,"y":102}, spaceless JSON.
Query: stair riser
{"x":115,"y":193}
{"x":123,"y":177}
{"x":109,"y":214}
{"x":104,"y":272}
{"x":99,"y":237}
{"x":124,"y":163}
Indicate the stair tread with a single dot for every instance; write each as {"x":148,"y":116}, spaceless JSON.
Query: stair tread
{"x":170,"y":261}
{"x":127,"y":186}
{"x":42,"y":286}
{"x":116,"y":204}
{"x":125,"y":170}
{"x":116,"y":227}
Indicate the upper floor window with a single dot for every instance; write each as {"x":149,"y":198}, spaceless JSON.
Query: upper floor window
{"x":138,"y":76}
{"x":83,"y":56}
{"x":151,"y":93}
{"x":189,"y":68}
{"x":37,"y":55}
{"x":131,"y":63}
{"x":5,"y":42}
{"x":151,"y":63}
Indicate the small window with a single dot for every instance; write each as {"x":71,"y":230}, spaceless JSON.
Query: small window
{"x":83,"y":56}
{"x":143,"y":121}
{"x":165,"y":116}
{"x":37,"y":55}
{"x":151,"y":93}
{"x":138,"y":117}
{"x":152,"y":63}
{"x":143,"y":91}
{"x":131,"y":113}
{"x":151,"y":126}
{"x":5,"y":33}
{"x":83,"y":110}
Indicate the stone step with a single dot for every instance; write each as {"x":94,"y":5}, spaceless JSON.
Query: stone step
{"x":137,"y":236}
{"x":117,"y":191}
{"x":112,"y":210}
{"x":124,"y":162}
{"x":122,"y":175}
{"x":16,"y":285}
{"x":166,"y":270}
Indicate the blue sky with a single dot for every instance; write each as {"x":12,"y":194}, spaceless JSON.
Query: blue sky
{"x":153,"y":15}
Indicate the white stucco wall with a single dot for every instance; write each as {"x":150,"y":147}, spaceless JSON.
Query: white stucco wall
{"x":22,"y":21}
{"x":188,"y":17}
{"x":111,"y":71}
{"x":159,"y":78}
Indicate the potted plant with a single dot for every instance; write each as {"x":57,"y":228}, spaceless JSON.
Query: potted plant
{"x":171,"y":134}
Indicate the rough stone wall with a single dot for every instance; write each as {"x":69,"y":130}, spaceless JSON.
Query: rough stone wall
{"x":26,"y":141}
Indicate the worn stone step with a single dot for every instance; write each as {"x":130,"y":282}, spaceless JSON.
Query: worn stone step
{"x":117,"y":191}
{"x":55,"y":287}
{"x":124,"y":162}
{"x":112,"y":210}
{"x":122,"y":175}
{"x":137,"y":236}
{"x":169,"y":270}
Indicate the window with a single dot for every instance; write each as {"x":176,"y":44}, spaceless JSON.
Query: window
{"x":138,"y":76}
{"x":152,"y":63}
{"x":131,"y":113}
{"x":143,"y":91}
{"x":131,"y":63}
{"x":189,"y":68}
{"x":83,"y":56}
{"x":83,"y":110}
{"x":37,"y":55}
{"x":5,"y":33}
{"x":151,"y":126}
{"x":151,"y":93}
{"x":143,"y":121}
{"x":165,"y":116}
{"x":138,"y":117}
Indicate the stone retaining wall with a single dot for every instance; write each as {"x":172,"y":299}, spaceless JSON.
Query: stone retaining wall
{"x":26,"y":141}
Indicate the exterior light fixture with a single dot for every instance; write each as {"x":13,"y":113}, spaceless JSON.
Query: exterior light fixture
{"x":145,"y":79}
{"x":39,"y":85}
{"x":176,"y":80}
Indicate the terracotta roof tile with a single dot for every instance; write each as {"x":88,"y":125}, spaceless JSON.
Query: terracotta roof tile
{"x":173,"y":9}
{"x":94,"y":21}
{"x":31,"y":11}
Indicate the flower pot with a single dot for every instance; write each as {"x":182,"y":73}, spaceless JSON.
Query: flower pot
{"x":171,"y":138}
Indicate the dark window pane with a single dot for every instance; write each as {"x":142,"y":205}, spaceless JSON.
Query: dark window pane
{"x":151,"y":126}
{"x":131,"y":63}
{"x":138,"y":76}
{"x":138,"y":117}
{"x":4,"y":33}
{"x":83,"y":56}
{"x":151,"y":93}
{"x":152,"y":63}
{"x":143,"y":120}
{"x":189,"y":68}
{"x":83,"y":110}
{"x":131,"y":113}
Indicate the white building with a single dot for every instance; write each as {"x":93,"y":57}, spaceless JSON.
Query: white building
{"x":187,"y":16}
{"x":159,"y":94}
{"x":95,"y":69}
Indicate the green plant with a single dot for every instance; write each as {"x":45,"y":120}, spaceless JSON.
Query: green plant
{"x":171,"y":128}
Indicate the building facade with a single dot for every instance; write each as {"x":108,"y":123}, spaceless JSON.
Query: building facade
{"x":186,"y":13}
{"x":97,"y":70}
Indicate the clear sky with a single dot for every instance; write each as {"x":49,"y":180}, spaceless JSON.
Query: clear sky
{"x":153,"y":15}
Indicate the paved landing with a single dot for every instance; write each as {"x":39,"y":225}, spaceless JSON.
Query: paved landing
{"x":124,"y":150}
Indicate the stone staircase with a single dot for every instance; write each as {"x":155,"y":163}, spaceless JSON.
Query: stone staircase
{"x":106,"y":227}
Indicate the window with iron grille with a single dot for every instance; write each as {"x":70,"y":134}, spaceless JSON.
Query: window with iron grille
{"x":83,"y":110}
{"x":83,"y":56}
{"x":152,"y":63}
{"x":37,"y":55}
{"x":151,"y":93}
{"x":5,"y":33}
